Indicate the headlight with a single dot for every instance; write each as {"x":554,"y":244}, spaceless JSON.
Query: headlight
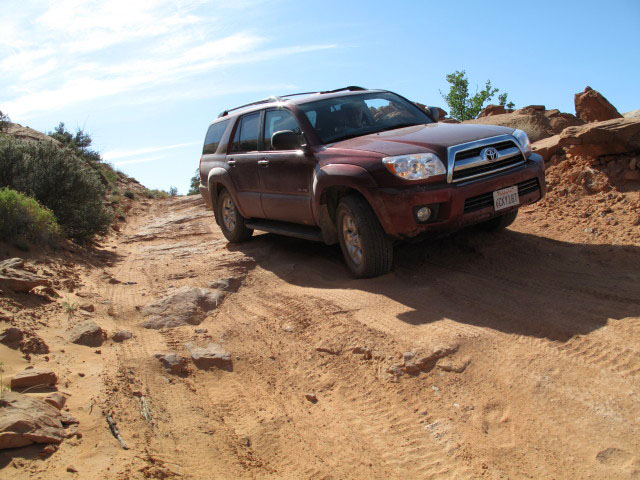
{"x":523,"y":140}
{"x":415,"y":167}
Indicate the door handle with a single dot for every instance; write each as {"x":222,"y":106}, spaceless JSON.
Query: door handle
{"x":231,"y":162}
{"x":263,"y":163}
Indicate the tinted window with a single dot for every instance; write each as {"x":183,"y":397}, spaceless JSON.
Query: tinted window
{"x":349,"y":116}
{"x":275,"y":121}
{"x":246,"y":137}
{"x":214,"y":135}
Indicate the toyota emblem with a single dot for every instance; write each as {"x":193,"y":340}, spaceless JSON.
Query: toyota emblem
{"x":489,"y":154}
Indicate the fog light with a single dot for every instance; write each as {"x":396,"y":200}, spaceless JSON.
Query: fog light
{"x":423,"y":214}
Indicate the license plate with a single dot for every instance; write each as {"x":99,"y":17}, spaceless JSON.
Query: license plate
{"x":505,"y":198}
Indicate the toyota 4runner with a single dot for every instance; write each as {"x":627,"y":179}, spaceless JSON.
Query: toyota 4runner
{"x":361,"y":168}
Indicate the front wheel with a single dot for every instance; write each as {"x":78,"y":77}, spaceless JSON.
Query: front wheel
{"x":231,"y":222}
{"x":367,"y":250}
{"x":498,"y":224}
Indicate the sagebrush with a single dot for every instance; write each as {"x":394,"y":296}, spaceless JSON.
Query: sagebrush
{"x":60,"y":181}
{"x":23,"y":220}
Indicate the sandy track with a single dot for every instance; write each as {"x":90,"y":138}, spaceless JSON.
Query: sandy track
{"x":551,"y":330}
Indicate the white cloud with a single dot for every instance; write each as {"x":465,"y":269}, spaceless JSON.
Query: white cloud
{"x":81,"y":50}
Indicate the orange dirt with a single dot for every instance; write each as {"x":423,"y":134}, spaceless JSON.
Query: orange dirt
{"x":538,"y":374}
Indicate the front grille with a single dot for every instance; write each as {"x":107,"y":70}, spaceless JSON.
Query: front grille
{"x":468,"y":163}
{"x":474,"y":152}
{"x":486,"y":199}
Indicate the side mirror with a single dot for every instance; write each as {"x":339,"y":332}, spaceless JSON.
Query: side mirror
{"x":435,"y":113}
{"x":285,"y":140}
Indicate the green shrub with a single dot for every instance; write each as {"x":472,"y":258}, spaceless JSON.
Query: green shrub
{"x":58,"y":180}
{"x":129,"y":194}
{"x":155,"y":193}
{"x":23,"y":219}
{"x":5,"y":121}
{"x":194,"y":185}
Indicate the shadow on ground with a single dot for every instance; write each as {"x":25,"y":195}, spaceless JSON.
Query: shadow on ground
{"x":512,"y":282}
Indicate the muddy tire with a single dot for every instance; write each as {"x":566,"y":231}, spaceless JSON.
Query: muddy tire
{"x":230,"y":220}
{"x":367,"y":250}
{"x":498,"y":224}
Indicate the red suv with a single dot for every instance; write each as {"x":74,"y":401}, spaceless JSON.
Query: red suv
{"x":362,"y":168}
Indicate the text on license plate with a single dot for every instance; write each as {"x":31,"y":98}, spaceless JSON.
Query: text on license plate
{"x":505,"y":198}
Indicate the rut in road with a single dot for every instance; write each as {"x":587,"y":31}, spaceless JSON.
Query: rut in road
{"x":550,"y":380}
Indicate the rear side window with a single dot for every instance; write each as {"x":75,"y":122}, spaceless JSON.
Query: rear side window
{"x":246,"y":137}
{"x":214,"y":135}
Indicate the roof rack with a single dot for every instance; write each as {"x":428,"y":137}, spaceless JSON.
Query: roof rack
{"x":264,"y":100}
{"x":350,"y":88}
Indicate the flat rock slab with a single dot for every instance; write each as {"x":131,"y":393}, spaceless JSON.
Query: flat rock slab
{"x":34,"y":377}
{"x":56,"y":399}
{"x":185,"y":306}
{"x":211,"y":356}
{"x":25,"y":420}
{"x":20,"y":280}
{"x":87,"y":333}
{"x":12,"y":263}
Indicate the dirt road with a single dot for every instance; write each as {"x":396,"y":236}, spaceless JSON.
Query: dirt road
{"x":480,"y":356}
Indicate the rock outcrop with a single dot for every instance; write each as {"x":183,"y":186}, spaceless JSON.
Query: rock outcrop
{"x":491,"y":110}
{"x":14,"y":277}
{"x":185,"y":306}
{"x":25,"y":420}
{"x":591,"y":106}
{"x":422,"y":361}
{"x":538,"y":122}
{"x":611,"y":137}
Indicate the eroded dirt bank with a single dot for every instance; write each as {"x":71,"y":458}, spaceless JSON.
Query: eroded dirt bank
{"x":480,"y":356}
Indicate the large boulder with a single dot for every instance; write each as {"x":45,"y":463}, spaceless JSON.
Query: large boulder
{"x":87,"y":333}
{"x":25,"y":420}
{"x":213,"y":355}
{"x":611,"y":137}
{"x":533,"y":119}
{"x":185,"y":306}
{"x":591,"y":106}
{"x":490,"y":110}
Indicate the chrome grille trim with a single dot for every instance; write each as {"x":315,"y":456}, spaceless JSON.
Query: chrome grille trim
{"x":476,"y":161}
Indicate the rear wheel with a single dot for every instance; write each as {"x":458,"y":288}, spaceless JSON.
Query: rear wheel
{"x":498,"y":224}
{"x":367,"y":250}
{"x":231,"y":222}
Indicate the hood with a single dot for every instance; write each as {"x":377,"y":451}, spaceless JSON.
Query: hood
{"x":433,"y":137}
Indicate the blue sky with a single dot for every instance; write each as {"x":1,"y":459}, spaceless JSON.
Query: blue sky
{"x":145,"y":78}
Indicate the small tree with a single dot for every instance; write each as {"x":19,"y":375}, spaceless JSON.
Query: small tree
{"x":194,"y":188}
{"x":463,"y":106}
{"x":78,"y":142}
{"x":502,"y":100}
{"x":173,"y":192}
{"x":4,"y":122}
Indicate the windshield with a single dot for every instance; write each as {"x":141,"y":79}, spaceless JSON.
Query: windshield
{"x":340,"y":118}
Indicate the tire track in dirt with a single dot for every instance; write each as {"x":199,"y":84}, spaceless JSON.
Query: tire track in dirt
{"x":396,"y":441}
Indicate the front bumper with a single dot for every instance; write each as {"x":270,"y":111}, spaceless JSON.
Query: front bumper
{"x":395,"y":206}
